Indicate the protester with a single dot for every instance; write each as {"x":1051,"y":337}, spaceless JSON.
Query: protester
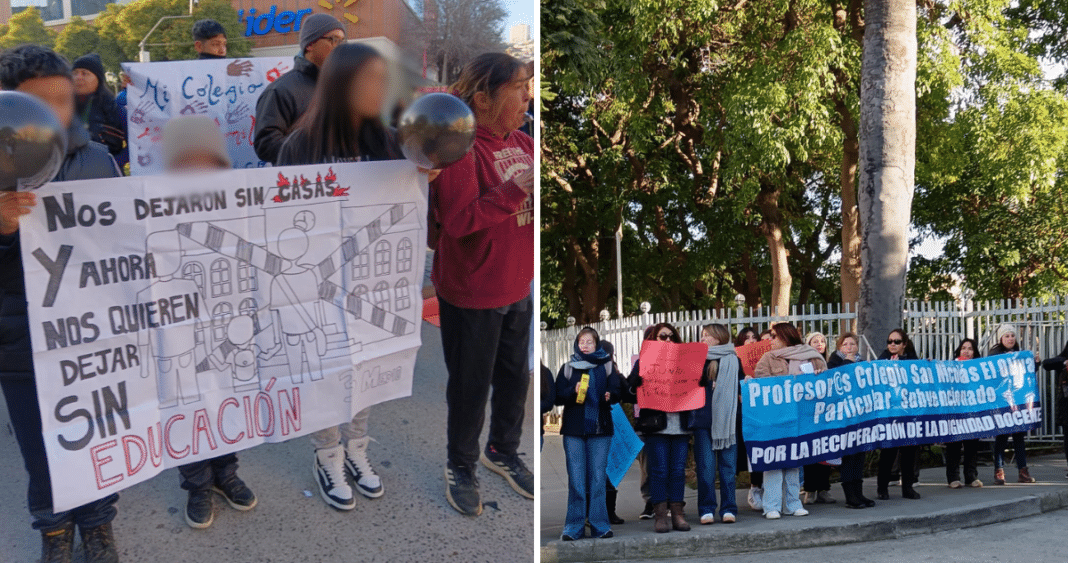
{"x":96,"y":105}
{"x":41,"y":73}
{"x":123,"y":158}
{"x":818,"y":342}
{"x":190,"y":144}
{"x":1006,"y":342}
{"x":898,"y":347}
{"x":788,"y":356}
{"x":483,"y":265}
{"x":349,"y":131}
{"x":968,"y":349}
{"x":747,"y":335}
{"x":852,"y":467}
{"x":286,"y":99}
{"x":611,"y":494}
{"x":650,"y":333}
{"x":817,"y":476}
{"x":548,"y":396}
{"x":209,"y":39}
{"x":1059,"y":365}
{"x":714,"y":427}
{"x":766,"y":335}
{"x":668,"y":441}
{"x":587,"y":432}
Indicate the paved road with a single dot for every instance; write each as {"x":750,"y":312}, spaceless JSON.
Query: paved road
{"x":1039,"y":538}
{"x":411,"y":523}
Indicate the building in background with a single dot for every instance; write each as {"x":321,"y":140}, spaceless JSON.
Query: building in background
{"x":520,"y":45}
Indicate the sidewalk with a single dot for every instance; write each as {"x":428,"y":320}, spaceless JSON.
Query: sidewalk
{"x":411,"y":522}
{"x":940,"y":509}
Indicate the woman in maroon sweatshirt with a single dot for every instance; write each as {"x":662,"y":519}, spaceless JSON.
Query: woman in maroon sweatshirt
{"x":483,"y":207}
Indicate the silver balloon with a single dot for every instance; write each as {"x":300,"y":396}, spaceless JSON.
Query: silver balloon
{"x":32,"y":142}
{"x":436,"y":130}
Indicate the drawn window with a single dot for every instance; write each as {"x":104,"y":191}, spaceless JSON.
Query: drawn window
{"x":403,"y":295}
{"x":220,"y":317}
{"x":198,"y":331}
{"x":248,"y":307}
{"x":382,"y":258}
{"x":360,"y":291}
{"x":220,"y":278}
{"x":361,"y":266}
{"x":381,"y":296}
{"x":194,"y":271}
{"x":404,"y":255}
{"x":246,"y":278}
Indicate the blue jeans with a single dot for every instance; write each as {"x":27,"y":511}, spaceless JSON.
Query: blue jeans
{"x":587,"y":466}
{"x":710,"y":463}
{"x":775,"y":481}
{"x":21,"y":396}
{"x":1002,"y":442}
{"x":667,"y":466}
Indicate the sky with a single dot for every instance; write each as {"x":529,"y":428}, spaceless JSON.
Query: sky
{"x":521,"y":11}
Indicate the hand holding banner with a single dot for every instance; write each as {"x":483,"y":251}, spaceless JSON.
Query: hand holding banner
{"x":671,"y":376}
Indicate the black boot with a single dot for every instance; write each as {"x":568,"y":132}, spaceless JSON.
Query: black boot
{"x":99,"y":545}
{"x":610,"y":502}
{"x":908,"y":492}
{"x":851,"y":500}
{"x":858,"y":492}
{"x":57,"y":545}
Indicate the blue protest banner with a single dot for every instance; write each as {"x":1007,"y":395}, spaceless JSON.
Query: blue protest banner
{"x":790,"y":421}
{"x":624,"y":447}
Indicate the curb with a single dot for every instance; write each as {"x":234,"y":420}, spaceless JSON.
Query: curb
{"x":698,"y":545}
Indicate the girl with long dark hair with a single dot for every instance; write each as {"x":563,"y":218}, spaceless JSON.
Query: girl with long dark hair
{"x":968,"y":349}
{"x":898,"y":347}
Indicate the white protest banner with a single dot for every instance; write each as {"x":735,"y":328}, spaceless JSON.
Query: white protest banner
{"x":180,"y":318}
{"x":226,"y":89}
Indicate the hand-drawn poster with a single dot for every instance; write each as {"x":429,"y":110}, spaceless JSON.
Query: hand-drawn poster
{"x":179,"y":318}
{"x":226,"y":89}
{"x":671,"y":376}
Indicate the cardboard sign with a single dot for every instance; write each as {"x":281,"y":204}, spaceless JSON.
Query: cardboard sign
{"x":750,"y":354}
{"x":671,"y":376}
{"x":179,"y":318}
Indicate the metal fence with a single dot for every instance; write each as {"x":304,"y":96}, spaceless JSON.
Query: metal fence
{"x":936,"y":328}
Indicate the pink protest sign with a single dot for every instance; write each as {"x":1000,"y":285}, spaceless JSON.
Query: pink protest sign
{"x":750,"y":354}
{"x":671,"y":376}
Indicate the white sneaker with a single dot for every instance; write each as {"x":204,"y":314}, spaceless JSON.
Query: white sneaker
{"x":708,"y":518}
{"x":729,"y":518}
{"x":800,"y":512}
{"x":772,"y":515}
{"x":955,"y":485}
{"x":976,"y":484}
{"x":367,"y":481}
{"x":329,"y":470}
{"x":756,"y":498}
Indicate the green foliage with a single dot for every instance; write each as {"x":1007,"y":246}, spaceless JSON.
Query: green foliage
{"x":78,"y":38}
{"x":26,"y":27}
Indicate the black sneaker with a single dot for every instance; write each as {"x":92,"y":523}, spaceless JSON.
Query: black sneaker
{"x":57,"y":546}
{"x":512,"y":469}
{"x":236,"y":493}
{"x":99,"y":545}
{"x":200,"y":509}
{"x":647,"y":514}
{"x":461,"y":490}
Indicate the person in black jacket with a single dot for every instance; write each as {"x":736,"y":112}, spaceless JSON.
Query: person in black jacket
{"x":96,"y":105}
{"x":852,"y":467}
{"x":1059,"y":366}
{"x":40,"y":72}
{"x":548,"y":396}
{"x":667,"y":437}
{"x":286,"y":99}
{"x":898,"y":347}
{"x":1006,"y":343}
{"x":209,"y":39}
{"x":587,"y":433}
{"x":968,"y":349}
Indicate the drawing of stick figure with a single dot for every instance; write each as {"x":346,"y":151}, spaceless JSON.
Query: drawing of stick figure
{"x":171,"y":347}
{"x":236,"y":354}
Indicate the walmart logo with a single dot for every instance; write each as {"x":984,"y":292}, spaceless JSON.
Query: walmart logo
{"x":346,"y":4}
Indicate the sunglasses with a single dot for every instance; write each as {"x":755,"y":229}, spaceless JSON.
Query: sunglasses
{"x":896,"y":341}
{"x":664,"y":336}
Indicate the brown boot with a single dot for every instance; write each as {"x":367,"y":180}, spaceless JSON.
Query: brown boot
{"x":999,"y":476}
{"x":58,"y":545}
{"x":678,"y":517}
{"x":660,"y":518}
{"x":99,"y":544}
{"x":1025,"y":476}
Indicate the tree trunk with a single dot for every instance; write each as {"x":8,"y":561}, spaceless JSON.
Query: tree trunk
{"x":771,"y":228}
{"x":850,"y":268}
{"x":887,"y":161}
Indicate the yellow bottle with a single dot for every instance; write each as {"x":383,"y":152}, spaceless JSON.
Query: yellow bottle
{"x":583,"y":385}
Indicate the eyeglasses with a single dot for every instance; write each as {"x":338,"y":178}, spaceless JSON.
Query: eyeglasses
{"x":334,"y":40}
{"x":664,"y":336}
{"x":896,"y":341}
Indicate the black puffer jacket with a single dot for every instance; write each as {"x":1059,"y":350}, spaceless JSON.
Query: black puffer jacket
{"x":86,"y":160}
{"x":280,"y":106}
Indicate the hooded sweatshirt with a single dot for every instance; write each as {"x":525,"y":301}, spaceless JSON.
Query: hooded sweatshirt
{"x":485,"y":248}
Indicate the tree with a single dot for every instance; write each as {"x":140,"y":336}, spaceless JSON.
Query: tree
{"x":887,"y":160}
{"x":27,"y":27}
{"x":77,"y":38}
{"x":459,"y":30}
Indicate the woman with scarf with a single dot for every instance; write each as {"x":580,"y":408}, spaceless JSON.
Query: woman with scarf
{"x":968,"y":349}
{"x":788,"y":356}
{"x":898,"y":347}
{"x":714,"y":429}
{"x":667,"y":441}
{"x":852,"y":468}
{"x":817,"y":476}
{"x":586,"y":428}
{"x":1008,"y":343}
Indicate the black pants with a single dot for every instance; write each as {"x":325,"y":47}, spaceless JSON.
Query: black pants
{"x":852,"y":468}
{"x":21,"y":396}
{"x":484,"y":349}
{"x":908,"y":465}
{"x":202,"y":475}
{"x":817,"y":477}
{"x":953,"y":455}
